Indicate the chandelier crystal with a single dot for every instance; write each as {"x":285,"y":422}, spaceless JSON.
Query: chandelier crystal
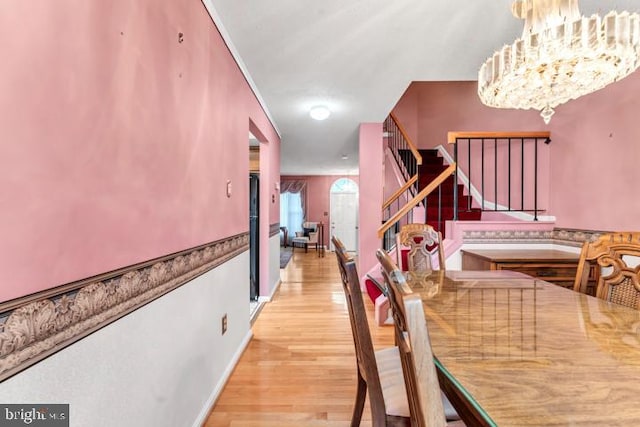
{"x":561,"y":55}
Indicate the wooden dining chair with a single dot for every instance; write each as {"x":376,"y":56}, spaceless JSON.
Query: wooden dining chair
{"x":427,"y":403}
{"x":423,"y":242}
{"x":338,"y":245}
{"x":378,"y":372}
{"x":617,"y":256}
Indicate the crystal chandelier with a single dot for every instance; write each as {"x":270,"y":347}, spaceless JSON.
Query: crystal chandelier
{"x":561,"y":55}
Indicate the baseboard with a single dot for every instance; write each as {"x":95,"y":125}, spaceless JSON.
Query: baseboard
{"x":273,"y":292}
{"x":215,"y":394}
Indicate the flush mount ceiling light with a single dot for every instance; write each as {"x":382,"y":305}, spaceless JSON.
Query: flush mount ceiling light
{"x":561,"y":55}
{"x":319,"y":112}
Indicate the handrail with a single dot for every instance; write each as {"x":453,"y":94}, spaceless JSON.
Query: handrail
{"x":399,"y":192}
{"x":417,"y":199}
{"x":412,"y":147}
{"x":453,"y":136}
{"x":503,"y":141}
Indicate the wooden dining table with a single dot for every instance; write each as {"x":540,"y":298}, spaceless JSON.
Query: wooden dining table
{"x":512,"y":350}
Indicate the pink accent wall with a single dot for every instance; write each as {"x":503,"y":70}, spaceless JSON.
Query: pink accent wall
{"x":393,"y":178}
{"x":118,"y":140}
{"x":318,"y":197}
{"x":595,"y":157}
{"x":592,"y":159}
{"x":371,"y":193}
{"x":406,"y":110}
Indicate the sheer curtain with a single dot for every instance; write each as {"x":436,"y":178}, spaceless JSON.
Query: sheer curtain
{"x":292,"y":205}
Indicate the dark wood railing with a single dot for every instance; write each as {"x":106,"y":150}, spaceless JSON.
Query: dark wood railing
{"x":507,"y":165}
{"x":408,"y":160}
{"x":403,"y":149}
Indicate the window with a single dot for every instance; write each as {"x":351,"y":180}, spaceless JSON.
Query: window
{"x":291,"y":213}
{"x":344,"y":185}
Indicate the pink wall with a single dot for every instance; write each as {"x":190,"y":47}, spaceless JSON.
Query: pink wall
{"x":371,"y":192}
{"x":593,"y":158}
{"x":454,"y":106}
{"x":393,"y":180}
{"x":318,"y":197}
{"x":392,"y":177}
{"x":117,"y":139}
{"x":406,"y":110}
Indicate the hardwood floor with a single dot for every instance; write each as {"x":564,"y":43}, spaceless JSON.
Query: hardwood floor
{"x":299,"y":369}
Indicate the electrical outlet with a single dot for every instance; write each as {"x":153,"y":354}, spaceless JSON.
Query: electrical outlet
{"x":224,"y":323}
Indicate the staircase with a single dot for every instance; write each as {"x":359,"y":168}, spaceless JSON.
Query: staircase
{"x":429,"y":185}
{"x":439,"y":204}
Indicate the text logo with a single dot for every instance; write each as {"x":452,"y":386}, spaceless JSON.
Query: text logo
{"x":34,"y":415}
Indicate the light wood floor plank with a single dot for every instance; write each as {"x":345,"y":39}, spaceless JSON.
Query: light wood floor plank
{"x":299,"y":368}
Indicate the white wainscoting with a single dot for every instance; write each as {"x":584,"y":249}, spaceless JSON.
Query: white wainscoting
{"x":274,"y":266}
{"x":162,"y":365}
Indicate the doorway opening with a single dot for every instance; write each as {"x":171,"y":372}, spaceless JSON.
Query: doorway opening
{"x":254,"y":236}
{"x":343,"y":199}
{"x":254,"y":226}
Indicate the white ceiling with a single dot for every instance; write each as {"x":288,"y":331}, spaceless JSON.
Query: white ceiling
{"x":358,"y":57}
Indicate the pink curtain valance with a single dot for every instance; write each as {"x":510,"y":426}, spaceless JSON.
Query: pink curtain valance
{"x":293,"y":186}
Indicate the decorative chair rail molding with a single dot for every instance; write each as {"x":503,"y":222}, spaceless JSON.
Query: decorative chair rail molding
{"x":507,"y":236}
{"x":575,"y":237}
{"x":39,"y":325}
{"x":274,"y":229}
{"x":560,"y":236}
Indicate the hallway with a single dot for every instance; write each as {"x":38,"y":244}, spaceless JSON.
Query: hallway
{"x":299,"y":368}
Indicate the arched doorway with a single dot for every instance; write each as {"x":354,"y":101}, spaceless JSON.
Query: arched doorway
{"x":344,"y":212}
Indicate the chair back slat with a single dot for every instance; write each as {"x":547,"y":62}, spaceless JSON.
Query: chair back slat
{"x":423,"y":242}
{"x":365,"y":354}
{"x":412,"y":336}
{"x":617,"y":255}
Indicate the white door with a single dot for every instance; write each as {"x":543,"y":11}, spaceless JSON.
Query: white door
{"x":344,"y":215}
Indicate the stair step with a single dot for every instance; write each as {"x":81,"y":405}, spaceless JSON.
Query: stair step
{"x":472,"y":215}
{"x":432,"y":169}
{"x":431,"y":173}
{"x":428,"y":153}
{"x":432,"y":161}
{"x":447,"y":185}
{"x":426,"y":179}
{"x":432,"y":166}
{"x":447,"y":199}
{"x":448,"y":212}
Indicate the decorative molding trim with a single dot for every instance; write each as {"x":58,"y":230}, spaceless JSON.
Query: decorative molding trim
{"x":507,"y":236}
{"x":559,"y":236}
{"x":274,"y":229}
{"x":575,"y":237}
{"x":37,"y":326}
